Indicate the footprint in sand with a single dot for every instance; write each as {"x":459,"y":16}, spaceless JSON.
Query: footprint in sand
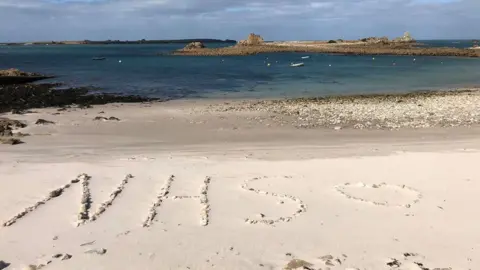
{"x":381,"y":194}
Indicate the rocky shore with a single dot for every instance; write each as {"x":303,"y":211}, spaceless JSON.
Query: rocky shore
{"x":21,"y":97}
{"x":255,"y":44}
{"x":389,"y":111}
{"x":15,"y":76}
{"x":373,"y":49}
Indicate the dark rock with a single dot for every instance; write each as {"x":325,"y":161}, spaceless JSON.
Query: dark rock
{"x":10,"y":123}
{"x":194,"y":45}
{"x":66,"y":257}
{"x":101,"y":118}
{"x":28,"y":96}
{"x":421,"y":266}
{"x":11,"y":141}
{"x":56,"y":256}
{"x":56,"y":193}
{"x":3,"y":265}
{"x":44,"y":122}
{"x":394,"y":263}
{"x":332,"y":41}
{"x":409,"y":254}
{"x":85,"y":106}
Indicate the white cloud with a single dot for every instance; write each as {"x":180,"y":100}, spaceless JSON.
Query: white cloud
{"x":276,"y":19}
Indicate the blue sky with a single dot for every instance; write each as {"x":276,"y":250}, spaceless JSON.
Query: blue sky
{"x":25,"y":20}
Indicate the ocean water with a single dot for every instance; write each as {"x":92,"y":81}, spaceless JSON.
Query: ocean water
{"x":142,"y":71}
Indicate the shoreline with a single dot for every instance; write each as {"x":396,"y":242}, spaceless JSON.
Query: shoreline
{"x":351,"y":49}
{"x":252,"y":119}
{"x":238,"y":189}
{"x":117,"y":42}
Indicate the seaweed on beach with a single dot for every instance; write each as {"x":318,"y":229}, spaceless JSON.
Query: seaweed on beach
{"x":27,"y":96}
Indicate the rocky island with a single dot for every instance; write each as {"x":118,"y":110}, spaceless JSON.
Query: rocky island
{"x":404,"y":45}
{"x":15,"y":76}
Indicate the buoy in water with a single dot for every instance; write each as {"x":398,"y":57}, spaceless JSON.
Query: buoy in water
{"x":119,"y":61}
{"x":268,"y":64}
{"x":330,"y":65}
{"x":373,"y":58}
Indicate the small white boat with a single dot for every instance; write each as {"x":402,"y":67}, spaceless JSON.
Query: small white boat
{"x":305,"y":57}
{"x":297,"y":64}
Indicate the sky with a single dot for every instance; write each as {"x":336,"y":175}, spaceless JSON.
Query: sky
{"x":45,"y":20}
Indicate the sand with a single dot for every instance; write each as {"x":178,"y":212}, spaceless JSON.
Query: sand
{"x":166,"y":187}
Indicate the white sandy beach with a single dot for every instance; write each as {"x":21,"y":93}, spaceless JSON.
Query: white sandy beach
{"x":244,"y":194}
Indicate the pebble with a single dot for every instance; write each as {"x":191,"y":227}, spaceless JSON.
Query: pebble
{"x":438,"y":109}
{"x":101,"y":251}
{"x":44,"y":122}
{"x":66,"y":257}
{"x":101,"y":118}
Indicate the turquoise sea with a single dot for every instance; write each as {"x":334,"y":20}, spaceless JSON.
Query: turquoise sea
{"x":143,"y":71}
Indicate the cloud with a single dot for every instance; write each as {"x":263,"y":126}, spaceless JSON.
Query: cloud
{"x":275,"y":19}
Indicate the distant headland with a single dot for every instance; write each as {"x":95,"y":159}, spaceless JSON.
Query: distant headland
{"x":106,"y":42}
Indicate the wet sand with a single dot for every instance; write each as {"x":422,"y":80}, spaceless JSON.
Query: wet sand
{"x":184,"y":185}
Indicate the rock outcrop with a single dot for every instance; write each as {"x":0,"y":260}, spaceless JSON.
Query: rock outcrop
{"x":252,"y":40}
{"x":15,"y":72}
{"x":376,"y":40}
{"x":194,"y":46}
{"x":15,"y":76}
{"x":407,"y":38}
{"x":27,"y":96}
{"x":6,"y":131}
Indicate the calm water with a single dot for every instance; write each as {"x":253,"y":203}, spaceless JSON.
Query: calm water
{"x":144,"y":72}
